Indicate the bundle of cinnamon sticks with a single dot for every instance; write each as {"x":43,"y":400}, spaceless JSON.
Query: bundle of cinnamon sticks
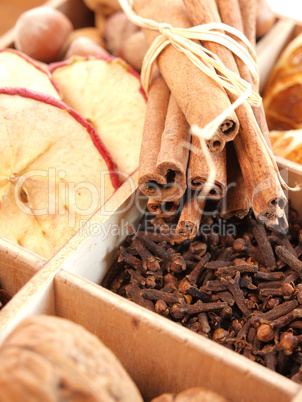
{"x":173,"y":167}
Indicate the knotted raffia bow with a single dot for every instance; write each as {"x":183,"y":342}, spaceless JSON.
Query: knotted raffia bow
{"x":183,"y":39}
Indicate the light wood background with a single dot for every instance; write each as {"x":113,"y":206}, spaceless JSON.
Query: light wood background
{"x":11,"y":9}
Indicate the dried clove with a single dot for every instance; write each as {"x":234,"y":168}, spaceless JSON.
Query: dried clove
{"x":161,"y":308}
{"x":150,"y":262}
{"x":264,"y":244}
{"x":266,"y":331}
{"x":299,"y":293}
{"x":281,"y":240}
{"x":275,"y":313}
{"x":244,"y":244}
{"x":269,"y":276}
{"x":133,"y":293}
{"x":175,"y":262}
{"x":218,"y":264}
{"x":234,"y":288}
{"x":242,"y":291}
{"x":192,"y":278}
{"x":216,"y":286}
{"x":232,"y":270}
{"x":289,"y":342}
{"x":220,"y":335}
{"x":130,"y":260}
{"x":204,"y":322}
{"x":269,"y":353}
{"x":289,"y":259}
{"x":226,"y":297}
{"x":170,"y":282}
{"x":154,"y":294}
{"x":178,"y":311}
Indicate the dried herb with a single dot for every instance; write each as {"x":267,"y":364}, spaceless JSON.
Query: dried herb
{"x":242,"y":291}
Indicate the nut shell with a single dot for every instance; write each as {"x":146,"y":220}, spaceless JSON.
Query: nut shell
{"x":52,"y":359}
{"x":41,"y":33}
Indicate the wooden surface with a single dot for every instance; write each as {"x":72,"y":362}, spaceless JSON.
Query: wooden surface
{"x":159,"y":355}
{"x":11,"y":9}
{"x":17,"y":266}
{"x":298,"y":397}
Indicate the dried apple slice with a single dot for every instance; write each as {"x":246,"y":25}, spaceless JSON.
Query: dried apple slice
{"x":55,"y":172}
{"x":19,"y":70}
{"x":108,"y":93}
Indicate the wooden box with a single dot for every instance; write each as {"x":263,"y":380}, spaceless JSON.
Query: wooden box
{"x":160,"y":355}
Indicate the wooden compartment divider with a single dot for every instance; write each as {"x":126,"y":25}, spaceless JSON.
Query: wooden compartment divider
{"x":274,"y":40}
{"x":158,"y":354}
{"x":298,"y":397}
{"x":17,"y":265}
{"x":83,"y":246}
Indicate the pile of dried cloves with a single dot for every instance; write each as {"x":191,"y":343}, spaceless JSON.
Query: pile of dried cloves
{"x":241,"y":289}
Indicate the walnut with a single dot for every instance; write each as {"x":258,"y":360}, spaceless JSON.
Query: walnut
{"x":52,"y":359}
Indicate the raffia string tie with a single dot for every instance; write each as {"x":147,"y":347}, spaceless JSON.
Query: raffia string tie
{"x":183,"y":39}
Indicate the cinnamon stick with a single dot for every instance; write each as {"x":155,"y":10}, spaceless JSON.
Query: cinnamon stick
{"x":163,"y":209}
{"x":259,"y":175}
{"x":189,"y":220}
{"x":199,"y":170}
{"x":278,"y":223}
{"x":149,"y":178}
{"x":163,"y":158}
{"x":200,"y":98}
{"x":236,"y":202}
{"x":231,"y":14}
{"x":248,"y":11}
{"x":217,"y":143}
{"x":173,"y":156}
{"x":234,"y":13}
{"x":263,"y":189}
